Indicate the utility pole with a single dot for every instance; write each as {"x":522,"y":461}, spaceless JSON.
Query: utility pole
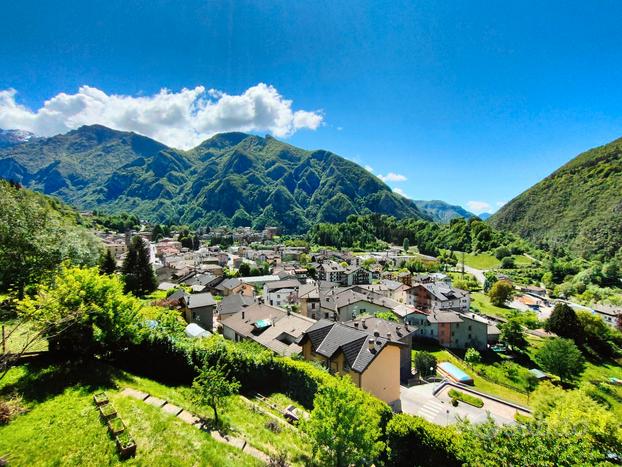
{"x":463,"y":265}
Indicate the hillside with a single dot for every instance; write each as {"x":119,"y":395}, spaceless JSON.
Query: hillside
{"x":440,"y":211}
{"x":230,"y":178}
{"x":578,"y":205}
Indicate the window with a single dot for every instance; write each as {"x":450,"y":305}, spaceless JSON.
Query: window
{"x":453,"y":334}
{"x":469,"y":328}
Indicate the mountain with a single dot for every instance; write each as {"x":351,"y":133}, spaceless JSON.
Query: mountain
{"x":231,"y":178}
{"x":440,"y":211}
{"x":12,"y":137}
{"x":484,"y":215}
{"x":578,"y":206}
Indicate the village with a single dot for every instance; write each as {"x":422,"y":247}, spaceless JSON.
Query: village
{"x":360,"y":314}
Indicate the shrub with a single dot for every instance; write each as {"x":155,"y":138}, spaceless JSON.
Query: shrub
{"x":466,"y":398}
{"x":410,"y":438}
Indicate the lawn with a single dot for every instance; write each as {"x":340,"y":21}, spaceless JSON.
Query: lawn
{"x":62,"y":425}
{"x":16,"y":341}
{"x":522,"y":260}
{"x":480,"y":261}
{"x":481,"y":302}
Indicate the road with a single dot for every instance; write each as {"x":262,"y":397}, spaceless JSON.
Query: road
{"x":478,"y":273}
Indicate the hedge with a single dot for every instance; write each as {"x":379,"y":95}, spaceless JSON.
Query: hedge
{"x":466,"y":398}
{"x":414,"y":441}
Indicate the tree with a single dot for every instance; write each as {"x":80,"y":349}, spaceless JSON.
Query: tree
{"x":406,"y":244}
{"x":502,"y":252}
{"x":137,"y":270}
{"x":472,"y":356}
{"x":213,"y":388}
{"x":245,"y":270}
{"x":500,"y":292}
{"x":157,"y":233}
{"x":425,"y":363}
{"x":564,"y":322}
{"x":343,"y":426}
{"x":108,"y":264}
{"x":508,"y":263}
{"x":83,"y":312}
{"x":562,"y":358}
{"x":512,"y":334}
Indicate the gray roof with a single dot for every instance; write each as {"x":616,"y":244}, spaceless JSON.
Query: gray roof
{"x":199,"y":300}
{"x":442,"y":291}
{"x":283,"y":335}
{"x":243,"y":322}
{"x":359,"y":348}
{"x":392,"y":330}
{"x":444,"y":317}
{"x":229,"y":284}
{"x":233,"y":303}
{"x":286,"y":284}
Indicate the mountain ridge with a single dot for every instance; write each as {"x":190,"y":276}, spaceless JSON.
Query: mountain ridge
{"x":230,"y":178}
{"x":578,"y":206}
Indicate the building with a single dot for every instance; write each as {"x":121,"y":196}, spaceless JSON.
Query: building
{"x":356,"y":275}
{"x":610,"y":314}
{"x":394,"y":331}
{"x":231,"y":304}
{"x":281,"y":293}
{"x":199,"y":308}
{"x":454,"y":330}
{"x":371,"y":362}
{"x":234,"y":286}
{"x":274,"y":328}
{"x":331,"y":271}
{"x":438,"y":296}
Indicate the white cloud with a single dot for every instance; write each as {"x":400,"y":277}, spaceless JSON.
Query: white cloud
{"x":500,"y":203}
{"x":392,"y":177}
{"x":478,"y":206}
{"x":399,"y":191}
{"x":369,"y":168}
{"x":180,"y":119}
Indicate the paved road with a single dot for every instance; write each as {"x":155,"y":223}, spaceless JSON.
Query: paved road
{"x":478,"y":273}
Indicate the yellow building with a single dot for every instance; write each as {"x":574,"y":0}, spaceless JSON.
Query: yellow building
{"x":371,"y":361}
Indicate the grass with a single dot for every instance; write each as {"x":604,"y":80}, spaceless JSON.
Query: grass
{"x":481,"y":302}
{"x":466,"y":398}
{"x":479,"y":261}
{"x":479,"y":383}
{"x":19,"y":338}
{"x":62,"y":425}
{"x":522,"y":260}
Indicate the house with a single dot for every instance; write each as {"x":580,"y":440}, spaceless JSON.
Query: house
{"x":394,"y":331}
{"x":372,"y":362}
{"x":231,"y":304}
{"x":453,"y":329}
{"x":355,"y":275}
{"x":438,"y":296}
{"x":250,"y":321}
{"x":199,"y":308}
{"x":331,"y":271}
{"x":260,"y":281}
{"x":281,"y":293}
{"x":282,"y":337}
{"x":610,"y":314}
{"x":233,"y":286}
{"x":397,"y":290}
{"x":274,"y":328}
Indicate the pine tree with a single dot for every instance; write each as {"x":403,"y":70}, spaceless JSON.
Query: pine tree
{"x":108,"y":264}
{"x":139,"y":276}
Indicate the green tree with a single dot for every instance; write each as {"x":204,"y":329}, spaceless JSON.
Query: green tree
{"x":472,"y":356}
{"x":508,"y":262}
{"x":500,"y":292}
{"x":562,"y":358}
{"x":245,"y":270}
{"x":406,"y":244}
{"x":108,"y":264}
{"x":502,"y":252}
{"x":425,"y":363}
{"x":343,"y":427}
{"x":512,"y":334}
{"x":137,"y":270}
{"x":564,"y":322}
{"x":83,"y":312}
{"x":213,"y":388}
{"x":37,"y":234}
{"x":157,"y":233}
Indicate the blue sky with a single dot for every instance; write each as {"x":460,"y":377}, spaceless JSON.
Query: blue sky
{"x":468,"y":101}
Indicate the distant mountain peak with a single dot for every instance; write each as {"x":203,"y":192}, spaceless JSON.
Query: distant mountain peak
{"x":443,"y":212}
{"x":230,"y":175}
{"x":13,"y":137}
